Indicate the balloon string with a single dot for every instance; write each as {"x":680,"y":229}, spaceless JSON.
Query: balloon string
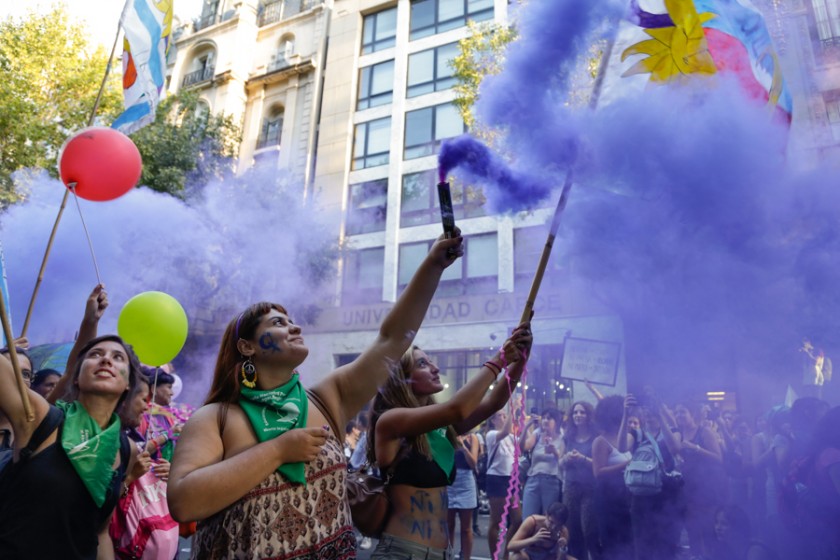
{"x":72,"y":187}
{"x":512,"y":498}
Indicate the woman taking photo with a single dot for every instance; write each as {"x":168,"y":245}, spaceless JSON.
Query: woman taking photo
{"x":261,"y":465}
{"x":413,"y":441}
{"x":545,"y":445}
{"x":71,"y":462}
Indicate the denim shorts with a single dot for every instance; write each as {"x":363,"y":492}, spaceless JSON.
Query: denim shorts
{"x":395,"y":548}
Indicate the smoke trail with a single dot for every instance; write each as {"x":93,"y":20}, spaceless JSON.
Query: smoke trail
{"x":506,"y":190}
{"x":238,"y":242}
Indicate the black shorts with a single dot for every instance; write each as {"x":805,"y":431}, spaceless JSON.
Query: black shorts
{"x":497,"y":486}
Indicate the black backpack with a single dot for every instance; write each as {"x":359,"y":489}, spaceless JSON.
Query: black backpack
{"x":42,"y":432}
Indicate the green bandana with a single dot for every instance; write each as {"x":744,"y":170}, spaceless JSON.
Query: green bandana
{"x":91,"y":449}
{"x":442,"y":451}
{"x":273,"y":413}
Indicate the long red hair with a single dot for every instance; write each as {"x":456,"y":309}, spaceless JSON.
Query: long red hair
{"x":226,"y":378}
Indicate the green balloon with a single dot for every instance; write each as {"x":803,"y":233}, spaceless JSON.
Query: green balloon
{"x":155,"y":325}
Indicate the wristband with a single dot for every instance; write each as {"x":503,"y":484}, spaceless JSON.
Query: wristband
{"x":493,"y":366}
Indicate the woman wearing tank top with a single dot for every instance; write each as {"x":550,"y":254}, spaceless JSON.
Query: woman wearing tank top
{"x":72,"y":459}
{"x":415,"y":438}
{"x":258,"y":465}
{"x":579,"y":482}
{"x":612,"y":500}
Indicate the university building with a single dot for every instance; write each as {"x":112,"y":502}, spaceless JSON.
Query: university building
{"x":354,"y":98}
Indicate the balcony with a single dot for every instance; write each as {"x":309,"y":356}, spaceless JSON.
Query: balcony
{"x":198,"y":76}
{"x":272,"y":12}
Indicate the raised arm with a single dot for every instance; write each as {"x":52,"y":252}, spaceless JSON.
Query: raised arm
{"x":500,"y":394}
{"x":11,"y":404}
{"x":353,"y":385}
{"x":203,"y":482}
{"x":95,"y":306}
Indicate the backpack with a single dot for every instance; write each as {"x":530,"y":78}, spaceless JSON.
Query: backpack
{"x":645,"y":473}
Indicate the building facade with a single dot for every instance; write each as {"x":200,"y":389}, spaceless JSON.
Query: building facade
{"x":261,"y":61}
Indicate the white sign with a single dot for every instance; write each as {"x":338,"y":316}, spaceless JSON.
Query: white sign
{"x":591,"y":360}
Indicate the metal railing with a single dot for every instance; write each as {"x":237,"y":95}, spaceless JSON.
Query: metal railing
{"x":272,"y":12}
{"x":198,"y":76}
{"x":206,"y":21}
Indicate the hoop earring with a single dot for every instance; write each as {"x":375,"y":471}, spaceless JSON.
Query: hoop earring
{"x":249,"y":374}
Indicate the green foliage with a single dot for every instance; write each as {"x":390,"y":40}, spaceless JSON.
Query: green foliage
{"x":482,"y":54}
{"x":186,"y":146}
{"x":50,"y":78}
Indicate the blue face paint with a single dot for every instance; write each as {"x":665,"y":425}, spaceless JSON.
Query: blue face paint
{"x":267,"y":343}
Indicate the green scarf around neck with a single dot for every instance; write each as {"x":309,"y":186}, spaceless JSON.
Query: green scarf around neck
{"x":442,"y":451}
{"x":275,"y":412}
{"x":91,"y":449}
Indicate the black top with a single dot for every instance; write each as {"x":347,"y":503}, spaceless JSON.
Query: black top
{"x":461,"y":457}
{"x":45,"y":509}
{"x":417,"y":470}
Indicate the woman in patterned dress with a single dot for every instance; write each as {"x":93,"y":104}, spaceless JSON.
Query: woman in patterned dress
{"x":260,"y":465}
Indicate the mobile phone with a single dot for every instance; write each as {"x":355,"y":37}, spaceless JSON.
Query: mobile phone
{"x":447,"y":214}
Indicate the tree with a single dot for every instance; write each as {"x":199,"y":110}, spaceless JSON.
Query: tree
{"x":50,"y":78}
{"x":482,"y":54}
{"x":186,"y":146}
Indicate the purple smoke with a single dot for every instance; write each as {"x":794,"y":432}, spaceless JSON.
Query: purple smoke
{"x":506,"y":189}
{"x":687,"y":218}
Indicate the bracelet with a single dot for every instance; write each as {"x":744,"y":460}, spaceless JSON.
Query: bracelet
{"x":493,"y":366}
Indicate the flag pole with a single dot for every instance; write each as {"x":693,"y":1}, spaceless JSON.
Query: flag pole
{"x":549,"y":244}
{"x":67,"y":190}
{"x":13,"y":357}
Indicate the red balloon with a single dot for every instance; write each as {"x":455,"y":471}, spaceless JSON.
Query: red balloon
{"x":103,"y":163}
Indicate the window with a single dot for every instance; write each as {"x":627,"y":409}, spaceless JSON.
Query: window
{"x":283,"y":55}
{"x":208,"y":14}
{"x":528,"y":244}
{"x":431,"y":70}
{"x":832,"y":107}
{"x":368,"y":207}
{"x":371,"y":143}
{"x":827,"y":15}
{"x":202,"y":68}
{"x":476,"y":273}
{"x":436,"y":16}
{"x":380,"y":31}
{"x":272,"y":129}
{"x":376,"y":85}
{"x":363,"y":272}
{"x":420,"y":203}
{"x":426,"y":128}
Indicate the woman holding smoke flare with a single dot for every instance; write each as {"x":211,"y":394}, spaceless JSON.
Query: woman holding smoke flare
{"x":413,"y":440}
{"x":71,"y":462}
{"x":260,"y":465}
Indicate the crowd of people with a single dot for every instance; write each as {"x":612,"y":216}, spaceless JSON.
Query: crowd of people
{"x":111,"y":467}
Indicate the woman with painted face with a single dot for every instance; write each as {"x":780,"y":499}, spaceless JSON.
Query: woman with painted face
{"x":413,"y":440}
{"x":260,"y":466}
{"x":71,"y":462}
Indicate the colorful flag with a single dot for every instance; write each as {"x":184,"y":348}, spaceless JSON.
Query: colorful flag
{"x":663,"y":41}
{"x":148,"y":38}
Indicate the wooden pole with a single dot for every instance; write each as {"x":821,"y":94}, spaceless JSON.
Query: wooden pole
{"x":549,"y":243}
{"x":13,"y":357}
{"x":67,"y":192}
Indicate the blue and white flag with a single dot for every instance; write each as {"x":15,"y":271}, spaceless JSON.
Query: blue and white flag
{"x":148,"y":38}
